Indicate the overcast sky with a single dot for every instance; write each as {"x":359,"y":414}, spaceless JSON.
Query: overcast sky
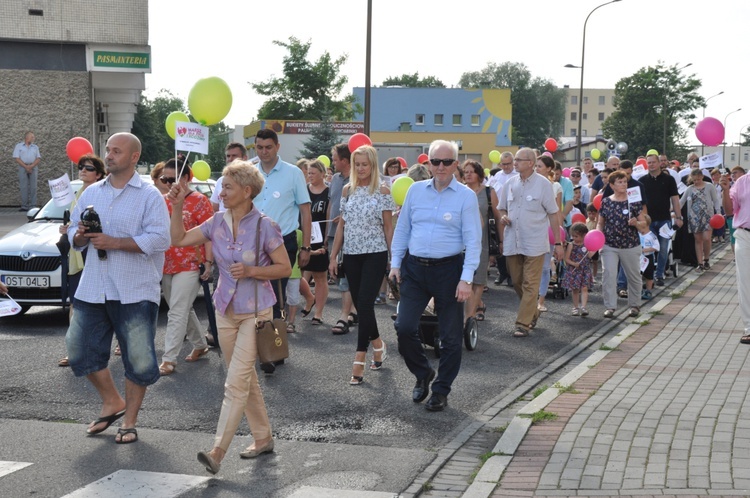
{"x":232,"y":39}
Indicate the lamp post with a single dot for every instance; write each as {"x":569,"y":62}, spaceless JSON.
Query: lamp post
{"x":724,"y":145}
{"x":580,"y":90}
{"x":367,"y":68}
{"x":664,"y":112}
{"x":704,"y":110}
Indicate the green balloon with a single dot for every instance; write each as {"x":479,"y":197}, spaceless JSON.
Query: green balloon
{"x":399,"y":189}
{"x":209,"y":100}
{"x":324,"y":159}
{"x":172,"y":119}
{"x":494,"y":156}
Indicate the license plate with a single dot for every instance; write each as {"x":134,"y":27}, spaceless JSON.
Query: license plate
{"x":24,"y":281}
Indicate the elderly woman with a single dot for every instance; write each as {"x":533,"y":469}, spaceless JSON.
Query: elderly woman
{"x":244,"y":295}
{"x":622,"y":243}
{"x":702,"y":202}
{"x":182,"y":275}
{"x":487,"y":198}
{"x":365,"y":232}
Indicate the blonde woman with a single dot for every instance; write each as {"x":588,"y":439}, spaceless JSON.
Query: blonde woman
{"x":365,"y":233}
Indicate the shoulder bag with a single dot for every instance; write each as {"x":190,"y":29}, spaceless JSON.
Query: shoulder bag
{"x":271,"y":340}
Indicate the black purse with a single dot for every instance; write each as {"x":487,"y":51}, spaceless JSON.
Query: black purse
{"x":492,"y":233}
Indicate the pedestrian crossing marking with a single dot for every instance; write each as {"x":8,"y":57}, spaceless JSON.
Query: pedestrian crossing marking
{"x":138,"y":484}
{"x":10,"y":467}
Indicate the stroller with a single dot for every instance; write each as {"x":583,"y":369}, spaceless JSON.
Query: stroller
{"x":555,"y":289}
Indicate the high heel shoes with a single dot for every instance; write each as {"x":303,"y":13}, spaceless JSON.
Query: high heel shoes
{"x":358,"y":379}
{"x":377,"y":365}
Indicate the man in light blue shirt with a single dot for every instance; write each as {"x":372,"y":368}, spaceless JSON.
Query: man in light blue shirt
{"x":438,"y":222}
{"x":119,"y":291}
{"x":286,"y":201}
{"x":27,"y":156}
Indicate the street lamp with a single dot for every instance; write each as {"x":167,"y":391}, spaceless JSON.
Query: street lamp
{"x":724,"y":145}
{"x":664,"y":112}
{"x":580,"y":90}
{"x":704,"y":110}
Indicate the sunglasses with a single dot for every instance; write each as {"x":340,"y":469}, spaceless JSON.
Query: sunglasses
{"x":444,"y":162}
{"x":87,"y":167}
{"x":575,"y":174}
{"x":167,"y":179}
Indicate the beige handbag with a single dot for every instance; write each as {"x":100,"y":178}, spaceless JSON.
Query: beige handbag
{"x":271,"y":339}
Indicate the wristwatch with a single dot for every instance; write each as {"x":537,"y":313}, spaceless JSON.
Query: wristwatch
{"x":303,"y":248}
{"x":468,"y":282}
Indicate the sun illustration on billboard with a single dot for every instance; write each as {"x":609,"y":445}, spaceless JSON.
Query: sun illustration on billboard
{"x":496,"y":111}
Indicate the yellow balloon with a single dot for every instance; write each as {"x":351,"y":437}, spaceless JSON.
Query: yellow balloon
{"x":173,"y":118}
{"x":486,"y":172}
{"x":399,"y":189}
{"x":209,"y":100}
{"x":596,"y":154}
{"x":324,"y":159}
{"x":201,"y":170}
{"x":494,"y":156}
{"x":652,"y":152}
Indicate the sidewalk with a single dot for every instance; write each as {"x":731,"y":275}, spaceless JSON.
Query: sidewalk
{"x":661,"y":410}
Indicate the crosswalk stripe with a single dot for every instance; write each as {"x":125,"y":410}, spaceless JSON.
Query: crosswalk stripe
{"x":10,"y":467}
{"x":134,"y":483}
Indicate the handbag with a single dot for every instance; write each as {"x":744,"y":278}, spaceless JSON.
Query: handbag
{"x":492,"y":233}
{"x":271,"y":341}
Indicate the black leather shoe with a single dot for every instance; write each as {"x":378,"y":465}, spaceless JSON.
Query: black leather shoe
{"x":268,"y":368}
{"x":422,"y":387}
{"x":437,"y":402}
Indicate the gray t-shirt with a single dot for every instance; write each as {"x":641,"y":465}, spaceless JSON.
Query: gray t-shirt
{"x":335,"y":189}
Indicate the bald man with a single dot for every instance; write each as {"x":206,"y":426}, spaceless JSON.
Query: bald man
{"x":119,"y":292}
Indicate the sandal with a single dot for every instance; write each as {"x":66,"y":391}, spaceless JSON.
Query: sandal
{"x":622,"y":293}
{"x":542,"y":308}
{"x":357,"y":379}
{"x":118,"y":352}
{"x":353,"y":319}
{"x":64,"y":362}
{"x":584,"y":312}
{"x":291,"y":328}
{"x":609,"y":313}
{"x":377,"y":365}
{"x":521,"y":332}
{"x":121,"y":433}
{"x":479,"y":316}
{"x":381,"y":299}
{"x":196,"y":354}
{"x":167,"y":368}
{"x":745,"y":339}
{"x":316,"y":321}
{"x":108,"y":420}
{"x":635,"y":311}
{"x":576,"y":312}
{"x":340,"y":328}
{"x":306,"y":312}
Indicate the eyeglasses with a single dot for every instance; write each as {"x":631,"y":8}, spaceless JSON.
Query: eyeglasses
{"x":87,"y":167}
{"x":444,"y":162}
{"x":167,"y":179}
{"x":507,"y":164}
{"x":575,"y":174}
{"x":519,"y":160}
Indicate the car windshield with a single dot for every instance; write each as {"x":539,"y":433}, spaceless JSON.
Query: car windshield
{"x":51,"y":211}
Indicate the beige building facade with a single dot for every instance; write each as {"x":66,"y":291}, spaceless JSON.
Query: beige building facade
{"x":598,"y":105}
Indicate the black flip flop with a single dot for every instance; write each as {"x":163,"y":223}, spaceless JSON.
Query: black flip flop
{"x":110,"y":419}
{"x":122,"y":432}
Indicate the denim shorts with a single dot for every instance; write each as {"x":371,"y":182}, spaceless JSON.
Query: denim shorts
{"x":89,"y":338}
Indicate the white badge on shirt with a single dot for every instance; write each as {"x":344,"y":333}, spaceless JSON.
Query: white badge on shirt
{"x":447,"y":217}
{"x":276,"y":194}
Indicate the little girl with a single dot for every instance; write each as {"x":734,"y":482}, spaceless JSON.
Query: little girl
{"x":577,"y":278}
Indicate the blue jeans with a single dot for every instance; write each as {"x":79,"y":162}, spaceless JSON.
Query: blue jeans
{"x":661,"y":260}
{"x":27,"y":185}
{"x":89,"y":338}
{"x":419,"y":284}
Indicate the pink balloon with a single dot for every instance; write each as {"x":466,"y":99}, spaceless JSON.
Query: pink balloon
{"x":710,"y":131}
{"x":548,"y":154}
{"x":594,"y":240}
{"x":566,"y":172}
{"x":552,"y":236}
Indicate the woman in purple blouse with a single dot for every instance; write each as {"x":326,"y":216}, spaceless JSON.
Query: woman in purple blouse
{"x":233,"y":234}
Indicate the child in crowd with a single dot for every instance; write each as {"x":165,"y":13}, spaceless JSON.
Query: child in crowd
{"x":577,"y":277}
{"x":649,"y":247}
{"x":591,"y":221}
{"x":295,"y":288}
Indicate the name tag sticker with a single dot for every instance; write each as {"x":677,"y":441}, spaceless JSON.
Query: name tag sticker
{"x":625,"y":211}
{"x":447,"y":217}
{"x":276,"y":194}
{"x":528,"y":198}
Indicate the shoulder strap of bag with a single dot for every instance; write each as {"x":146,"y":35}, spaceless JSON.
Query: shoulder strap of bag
{"x":257,"y":260}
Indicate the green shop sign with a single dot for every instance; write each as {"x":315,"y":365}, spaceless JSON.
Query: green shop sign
{"x":132,"y":60}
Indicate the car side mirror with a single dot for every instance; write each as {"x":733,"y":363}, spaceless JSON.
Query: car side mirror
{"x":31,"y":213}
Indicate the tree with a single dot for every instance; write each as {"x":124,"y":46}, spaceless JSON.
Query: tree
{"x":308,"y":89}
{"x":414,"y":81}
{"x":538,"y":105}
{"x":322,"y":139}
{"x":745,"y":141}
{"x":653,"y":100}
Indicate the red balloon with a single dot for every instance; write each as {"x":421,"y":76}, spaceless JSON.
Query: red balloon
{"x":594,"y":240}
{"x":550,"y":144}
{"x":423,"y":158}
{"x":597,"y":201}
{"x":717,"y":221}
{"x":403,"y":162}
{"x":77,"y":147}
{"x":358,"y":140}
{"x":578,"y":218}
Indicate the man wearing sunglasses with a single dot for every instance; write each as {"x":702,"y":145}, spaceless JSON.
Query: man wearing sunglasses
{"x":434,"y":254}
{"x":527,"y":210}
